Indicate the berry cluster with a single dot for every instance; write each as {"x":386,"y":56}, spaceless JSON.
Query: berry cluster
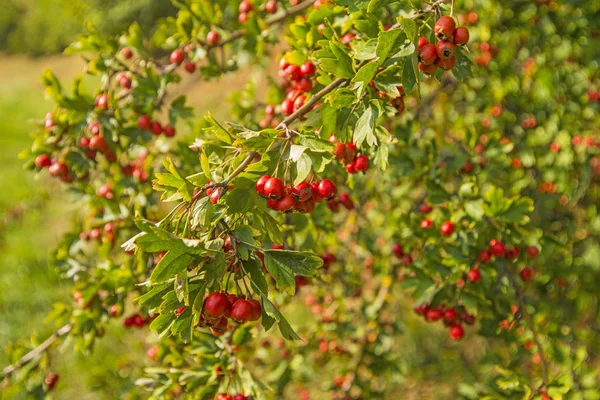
{"x":145,"y":123}
{"x":441,"y":55}
{"x":347,"y":154}
{"x":499,"y":249}
{"x":219,"y":306}
{"x":297,"y":80}
{"x":398,"y":251}
{"x":303,"y":197}
{"x":452,"y":317}
{"x":96,"y":142}
{"x":137,"y":320}
{"x":344,"y":199}
{"x":136,"y":169}
{"x":106,"y":233}
{"x":224,"y":396}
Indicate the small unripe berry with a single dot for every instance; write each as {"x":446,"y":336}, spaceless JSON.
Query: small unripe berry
{"x":127,"y":53}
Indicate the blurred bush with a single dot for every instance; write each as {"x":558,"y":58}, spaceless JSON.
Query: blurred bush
{"x":38,"y":27}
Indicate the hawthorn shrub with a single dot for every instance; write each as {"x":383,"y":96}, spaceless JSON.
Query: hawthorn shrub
{"x":414,"y":170}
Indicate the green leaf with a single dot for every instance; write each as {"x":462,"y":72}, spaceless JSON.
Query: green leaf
{"x":365,"y":127}
{"x":409,"y":73}
{"x":474,"y":209}
{"x":283,"y":264}
{"x":205,"y":164}
{"x":284,"y":327}
{"x":385,"y":43}
{"x":303,"y":168}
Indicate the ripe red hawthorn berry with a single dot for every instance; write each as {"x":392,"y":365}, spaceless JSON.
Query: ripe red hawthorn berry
{"x":361,"y":164}
{"x":498,"y":249}
{"x":59,"y":169}
{"x":115,"y":310}
{"x":333,"y":205}
{"x":241,"y":311}
{"x":256,"y":310}
{"x":346,"y":201}
{"x":327,"y":189}
{"x":102,"y":101}
{"x":177,"y":57}
{"x":260,"y":185}
{"x":457,"y":332}
{"x":223,"y":396}
{"x":460,"y":36}
{"x":299,"y":102}
{"x":347,"y":38}
{"x":98,"y":143}
{"x":125,"y":81}
{"x":407,"y":260}
{"x":445,"y":49}
{"x":127,"y":53}
{"x":216,"y":304}
{"x":270,"y":110}
{"x":397,"y":250}
{"x":156,"y":128}
{"x":526,"y":273}
{"x":213,"y":37}
{"x":425,"y":208}
{"x":272,"y":204}
{"x":144,"y":122}
{"x":444,"y":28}
{"x":273,"y":188}
{"x":308,"y":69}
{"x":421,"y":310}
{"x":340,"y":151}
{"x":474,"y":275}
{"x":315,"y":197}
{"x":215,"y":195}
{"x":293,"y":72}
{"x":302,"y":191}
{"x":447,"y":228}
{"x":422,"y":42}
{"x":286,"y":203}
{"x":544,"y":396}
{"x":446,"y":64}
{"x":271,"y":6}
{"x":50,"y":381}
{"x":427,"y":69}
{"x":426,"y":223}
{"x":245,"y":6}
{"x":239,"y":396}
{"x":485,"y":256}
{"x":434,"y":314}
{"x":287,"y":107}
{"x":532,"y":252}
{"x":303,"y":84}
{"x":43,"y":161}
{"x":190,"y":66}
{"x":243,"y":17}
{"x":450,"y":315}
{"x":180,"y":310}
{"x":428,"y":54}
{"x":169,"y":130}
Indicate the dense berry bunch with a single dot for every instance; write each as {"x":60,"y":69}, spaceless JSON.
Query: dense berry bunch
{"x":441,"y":55}
{"x":302,"y":197}
{"x":452,"y":317}
{"x":218,"y":307}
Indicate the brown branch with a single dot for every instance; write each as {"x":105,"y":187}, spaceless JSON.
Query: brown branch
{"x":8,"y":371}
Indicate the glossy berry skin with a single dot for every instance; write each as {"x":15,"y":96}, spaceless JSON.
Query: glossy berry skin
{"x":497,"y":248}
{"x":447,"y":228}
{"x":361,"y":163}
{"x":450,"y":315}
{"x":428,"y":69}
{"x":340,"y":151}
{"x":286,"y":203}
{"x":156,"y":128}
{"x":308,"y":69}
{"x":190,"y":67}
{"x":177,"y":57}
{"x":474,"y":275}
{"x":293,"y":72}
{"x":144,"y":122}
{"x":444,"y":28}
{"x":102,"y":101}
{"x":287,"y":107}
{"x":434,"y":314}
{"x":397,"y":250}
{"x":273,"y":188}
{"x":239,"y":396}
{"x":428,"y":54}
{"x":243,"y":18}
{"x":422,"y":42}
{"x":43,"y":161}
{"x":169,"y":130}
{"x":457,"y":332}
{"x":127,"y":53}
{"x":245,"y":6}
{"x":299,"y":102}
{"x":460,"y":36}
{"x":445,"y":49}
{"x":242,"y":310}
{"x":315,"y":197}
{"x":304,"y":84}
{"x":425,"y":208}
{"x":526,"y":273}
{"x":213,"y":37}
{"x":223,"y":396}
{"x":532,"y":252}
{"x":346,"y":201}
{"x":260,"y":184}
{"x":58,"y":169}
{"x":302,"y":191}
{"x":216,"y":304}
{"x":446,"y":64}
{"x":215,"y":195}
{"x":426,"y":224}
{"x":271,"y":6}
{"x":327,"y":189}
{"x":256,"y":310}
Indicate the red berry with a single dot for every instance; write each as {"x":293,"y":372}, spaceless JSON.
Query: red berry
{"x":98,"y":143}
{"x":446,"y":64}
{"x":434,"y":314}
{"x":58,"y":169}
{"x":242,"y":310}
{"x":308,"y":69}
{"x":532,"y":252}
{"x":260,"y":184}
{"x":273,"y":188}
{"x":304,"y":84}
{"x":180,"y":310}
{"x":271,"y":6}
{"x":485,"y":256}
{"x":125,"y":82}
{"x":43,"y":161}
{"x":447,"y":228}
{"x":427,"y":69}
{"x":460,"y":36}
{"x":223,"y":396}
{"x":283,"y":64}
{"x":347,"y":38}
{"x":426,"y":223}
{"x":340,"y":151}
{"x":51,"y":380}
{"x":239,"y":396}
{"x":287,"y":107}
{"x":213,"y":37}
{"x":293,"y":72}
{"x":102,"y":101}
{"x":526,"y":273}
{"x":245,"y":6}
{"x":286,"y":203}
{"x":315,"y":197}
{"x":48,"y":124}
{"x":156,"y":128}
{"x":444,"y":28}
{"x":361,"y":163}
{"x":450,"y":315}
{"x":169,"y":130}
{"x":457,"y":332}
{"x":270,"y":110}
{"x":215,"y":195}
{"x":498,"y":249}
{"x":127,"y":53}
{"x":302,"y":191}
{"x":397,"y":250}
{"x":190,"y":67}
{"x":115,"y":310}
{"x":144,"y":122}
{"x":445,"y":49}
{"x":299,"y":102}
{"x":256,"y":310}
{"x":346,"y":201}
{"x":177,"y":56}
{"x":216,"y":304}
{"x":407,"y":259}
{"x":425,"y":208}
{"x":428,"y":54}
{"x":474,"y":275}
{"x":327,"y":189}
{"x":243,"y":17}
